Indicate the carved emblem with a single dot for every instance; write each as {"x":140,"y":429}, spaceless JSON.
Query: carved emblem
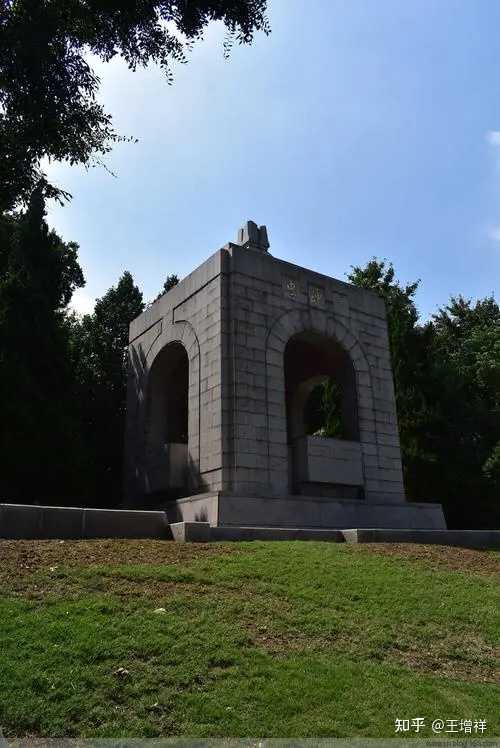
{"x":315,"y":295}
{"x":291,"y":288}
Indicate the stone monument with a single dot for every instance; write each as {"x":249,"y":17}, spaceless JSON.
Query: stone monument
{"x":223,"y":370}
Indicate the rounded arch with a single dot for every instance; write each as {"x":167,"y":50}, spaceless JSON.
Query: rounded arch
{"x":167,"y":396}
{"x":177,"y":332}
{"x":284,"y":328}
{"x":174,"y":357}
{"x":297,"y":321}
{"x":302,"y":394}
{"x":312,"y":359}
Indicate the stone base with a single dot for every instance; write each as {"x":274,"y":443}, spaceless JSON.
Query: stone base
{"x":201,"y":532}
{"x":191,"y":532}
{"x":305,"y":512}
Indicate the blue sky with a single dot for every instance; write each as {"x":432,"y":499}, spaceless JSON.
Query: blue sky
{"x":357,"y":128}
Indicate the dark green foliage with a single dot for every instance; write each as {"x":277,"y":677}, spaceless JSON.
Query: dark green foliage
{"x":409,"y":352}
{"x":39,"y":438}
{"x":48,"y":91}
{"x":491,"y":467}
{"x":466,"y":367}
{"x":62,"y":379}
{"x":100,"y":343}
{"x":323,"y":411}
{"x":447,"y":381}
{"x":170,"y":282}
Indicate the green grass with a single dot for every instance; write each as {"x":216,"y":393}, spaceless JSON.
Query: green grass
{"x":263,"y":639}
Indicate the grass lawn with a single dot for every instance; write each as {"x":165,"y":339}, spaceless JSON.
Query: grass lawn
{"x":286,"y":639}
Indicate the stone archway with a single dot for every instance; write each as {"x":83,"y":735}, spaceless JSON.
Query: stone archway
{"x":319,"y":324}
{"x":310,"y":360}
{"x":167,"y":422}
{"x":172,"y":413}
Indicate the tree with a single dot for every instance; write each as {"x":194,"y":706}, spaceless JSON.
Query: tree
{"x":409,"y":347}
{"x":466,"y":365}
{"x":38,"y":438}
{"x":170,"y":282}
{"x":323,"y":410}
{"x":491,"y":468}
{"x":100,"y":344}
{"x":447,"y":383}
{"x":48,"y":90}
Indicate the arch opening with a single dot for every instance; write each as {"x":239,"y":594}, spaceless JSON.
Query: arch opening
{"x":167,"y":422}
{"x":322,"y":418}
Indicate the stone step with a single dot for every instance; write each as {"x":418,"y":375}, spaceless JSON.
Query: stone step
{"x":203,"y":532}
{"x":276,"y":533}
{"x":463,"y":538}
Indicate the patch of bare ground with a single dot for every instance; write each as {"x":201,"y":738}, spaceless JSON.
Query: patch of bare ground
{"x":281,"y":642}
{"x":439,"y":557}
{"x":115,"y":552}
{"x":461,"y":657}
{"x":59,"y":587}
{"x":21,"y":559}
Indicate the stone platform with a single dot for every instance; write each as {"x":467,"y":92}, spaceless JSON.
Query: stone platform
{"x":295,"y":511}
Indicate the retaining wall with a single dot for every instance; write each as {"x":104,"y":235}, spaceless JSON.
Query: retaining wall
{"x":22,"y":521}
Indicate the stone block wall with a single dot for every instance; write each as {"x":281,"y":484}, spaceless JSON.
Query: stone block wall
{"x":190,"y":314}
{"x":329,"y":461}
{"x":270,"y":301}
{"x":234,"y":315}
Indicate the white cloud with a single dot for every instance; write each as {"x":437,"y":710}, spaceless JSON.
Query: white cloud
{"x":81,"y":302}
{"x":493,"y":137}
{"x":494,"y":233}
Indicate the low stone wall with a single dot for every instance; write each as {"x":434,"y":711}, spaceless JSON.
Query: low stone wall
{"x":322,"y":460}
{"x":20,"y":521}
